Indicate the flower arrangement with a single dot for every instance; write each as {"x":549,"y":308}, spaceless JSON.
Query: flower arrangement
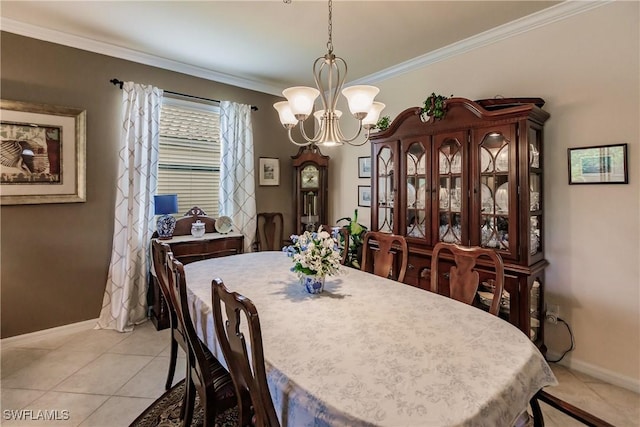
{"x":314,"y":254}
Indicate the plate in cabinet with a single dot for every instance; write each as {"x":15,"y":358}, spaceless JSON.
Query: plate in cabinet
{"x":487,"y":199}
{"x":411,"y":195}
{"x":502,"y":160}
{"x":502,"y":198}
{"x":485,"y":161}
{"x":444,"y":164}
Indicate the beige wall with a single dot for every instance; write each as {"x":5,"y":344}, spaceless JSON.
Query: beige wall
{"x":55,"y":256}
{"x":587,"y":69}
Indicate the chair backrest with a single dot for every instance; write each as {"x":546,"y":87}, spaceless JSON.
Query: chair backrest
{"x":159,"y":252}
{"x":463,"y":277}
{"x":343,"y":241}
{"x":269,"y":231}
{"x":383,"y":255}
{"x":248,"y":372}
{"x":196,"y":354}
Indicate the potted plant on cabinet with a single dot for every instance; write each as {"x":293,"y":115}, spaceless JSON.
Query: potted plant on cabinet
{"x":434,"y":106}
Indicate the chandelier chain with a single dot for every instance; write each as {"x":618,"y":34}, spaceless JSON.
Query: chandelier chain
{"x":330,"y":42}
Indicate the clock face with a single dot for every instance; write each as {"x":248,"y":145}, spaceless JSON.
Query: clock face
{"x":310,"y":176}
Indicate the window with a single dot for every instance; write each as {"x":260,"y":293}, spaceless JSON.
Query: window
{"x":189,"y":156}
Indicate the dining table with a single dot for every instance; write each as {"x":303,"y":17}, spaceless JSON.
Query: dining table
{"x":369,"y":351}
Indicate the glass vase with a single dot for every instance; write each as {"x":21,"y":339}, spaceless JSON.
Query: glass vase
{"x":313,"y":284}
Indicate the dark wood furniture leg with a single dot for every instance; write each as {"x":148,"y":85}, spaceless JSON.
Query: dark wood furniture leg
{"x":566,"y":408}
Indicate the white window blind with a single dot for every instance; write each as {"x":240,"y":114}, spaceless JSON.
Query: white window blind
{"x":189,"y":154}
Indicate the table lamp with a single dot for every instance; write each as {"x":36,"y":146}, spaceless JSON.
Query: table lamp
{"x":165,"y":205}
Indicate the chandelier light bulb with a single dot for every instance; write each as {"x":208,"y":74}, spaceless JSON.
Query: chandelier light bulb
{"x":287,"y":118}
{"x":360,"y":99}
{"x":372,"y":117}
{"x":301,"y":99}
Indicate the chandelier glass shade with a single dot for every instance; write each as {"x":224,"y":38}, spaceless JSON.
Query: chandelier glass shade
{"x":329,"y":72}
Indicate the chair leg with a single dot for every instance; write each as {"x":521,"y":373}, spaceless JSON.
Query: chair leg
{"x":538,"y":419}
{"x":187,"y":380}
{"x":172,"y":363}
{"x":209,"y":411}
{"x":189,"y":400}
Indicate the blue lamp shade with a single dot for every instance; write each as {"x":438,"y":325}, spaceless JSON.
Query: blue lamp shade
{"x":166,"y":204}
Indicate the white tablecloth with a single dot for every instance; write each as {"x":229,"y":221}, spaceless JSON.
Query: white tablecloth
{"x":370,"y":351}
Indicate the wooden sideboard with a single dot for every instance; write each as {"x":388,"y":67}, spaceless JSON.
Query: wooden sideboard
{"x":186,"y":249}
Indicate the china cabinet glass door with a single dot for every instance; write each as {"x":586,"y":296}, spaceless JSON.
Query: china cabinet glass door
{"x":535,"y":193}
{"x":451,"y":187}
{"x":497,"y":198}
{"x":385,"y":189}
{"x":415,"y":190}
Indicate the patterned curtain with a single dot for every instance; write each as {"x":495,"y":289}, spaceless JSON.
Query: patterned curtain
{"x":124,"y":304}
{"x":237,"y":181}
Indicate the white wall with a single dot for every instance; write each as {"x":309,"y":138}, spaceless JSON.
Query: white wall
{"x":586,"y":67}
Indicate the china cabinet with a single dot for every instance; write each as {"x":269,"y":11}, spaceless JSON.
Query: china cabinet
{"x":474,"y":178}
{"x":310,"y":189}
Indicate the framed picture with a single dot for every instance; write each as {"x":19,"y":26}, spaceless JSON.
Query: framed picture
{"x":364,"y":167}
{"x":602,"y":164}
{"x":43,"y":149}
{"x":269,"y":171}
{"x":364,"y":195}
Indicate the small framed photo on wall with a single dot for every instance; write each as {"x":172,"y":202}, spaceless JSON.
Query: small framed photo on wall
{"x":364,"y":167}
{"x":601,"y":164}
{"x":364,"y":195}
{"x":269,"y":173}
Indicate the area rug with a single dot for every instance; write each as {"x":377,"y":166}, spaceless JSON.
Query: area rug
{"x":165,"y":411}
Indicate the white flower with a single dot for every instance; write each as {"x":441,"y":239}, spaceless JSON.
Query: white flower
{"x":314,"y":254}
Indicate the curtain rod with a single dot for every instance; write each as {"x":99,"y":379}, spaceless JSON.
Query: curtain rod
{"x":117,"y":82}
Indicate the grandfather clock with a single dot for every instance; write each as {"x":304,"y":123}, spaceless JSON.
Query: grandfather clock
{"x":310,"y":189}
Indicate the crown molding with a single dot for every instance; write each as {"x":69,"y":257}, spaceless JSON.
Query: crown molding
{"x":59,"y":37}
{"x":539,"y":19}
{"x":553,"y":14}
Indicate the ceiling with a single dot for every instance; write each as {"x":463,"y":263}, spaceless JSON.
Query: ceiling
{"x":264,"y":45}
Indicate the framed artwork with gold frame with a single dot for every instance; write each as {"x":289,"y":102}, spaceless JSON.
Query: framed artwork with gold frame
{"x":43,"y":153}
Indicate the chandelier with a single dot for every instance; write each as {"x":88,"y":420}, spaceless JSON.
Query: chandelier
{"x":329,"y":72}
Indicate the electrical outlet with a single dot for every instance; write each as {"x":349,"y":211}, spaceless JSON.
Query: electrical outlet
{"x":553,"y":312}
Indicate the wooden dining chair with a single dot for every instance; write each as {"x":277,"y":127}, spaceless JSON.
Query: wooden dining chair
{"x":269,"y":232}
{"x":342,"y":237}
{"x":463,"y":277}
{"x":248,"y":371}
{"x":159,"y":251}
{"x":205,"y":374}
{"x":381,"y":257}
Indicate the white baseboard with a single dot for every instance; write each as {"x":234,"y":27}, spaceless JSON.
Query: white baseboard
{"x":602,"y":374}
{"x":26,"y":339}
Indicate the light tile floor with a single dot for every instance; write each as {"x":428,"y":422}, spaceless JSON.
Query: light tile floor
{"x":106,"y":378}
